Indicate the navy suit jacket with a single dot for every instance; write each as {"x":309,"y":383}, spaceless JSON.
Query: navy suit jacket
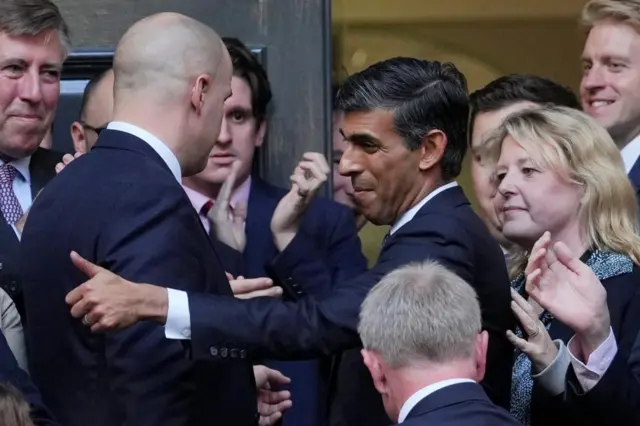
{"x":462,"y":404}
{"x":446,"y":229}
{"x":42,"y":169}
{"x":333,"y":227}
{"x":634,"y":176}
{"x":616,"y":397}
{"x":120,"y":206}
{"x":11,"y":373}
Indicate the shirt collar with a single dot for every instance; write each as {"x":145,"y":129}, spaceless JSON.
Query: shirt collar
{"x":409,"y":214}
{"x":425,"y":392}
{"x":240,"y":195}
{"x":22,"y":166}
{"x":158,"y":146}
{"x":630,"y":153}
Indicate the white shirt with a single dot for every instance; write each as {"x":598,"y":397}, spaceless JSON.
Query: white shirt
{"x":178,"y":302}
{"x":425,"y":392}
{"x":178,"y":325}
{"x":631,"y":153}
{"x":22,"y":185}
{"x":158,"y":146}
{"x":410,"y":214}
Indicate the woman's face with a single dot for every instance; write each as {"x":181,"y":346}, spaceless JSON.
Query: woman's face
{"x":532,"y":199}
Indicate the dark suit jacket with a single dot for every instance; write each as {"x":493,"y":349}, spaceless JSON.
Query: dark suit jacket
{"x":445,"y":229}
{"x":11,"y":373}
{"x":462,"y":404}
{"x":120,"y":207}
{"x":42,"y":170}
{"x":615,"y":400}
{"x":333,"y":228}
{"x":634,"y":176}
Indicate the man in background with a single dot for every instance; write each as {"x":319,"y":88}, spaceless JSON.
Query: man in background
{"x":95,"y":111}
{"x":428,"y":376}
{"x":488,"y":108}
{"x":610,"y":85}
{"x":34,"y":42}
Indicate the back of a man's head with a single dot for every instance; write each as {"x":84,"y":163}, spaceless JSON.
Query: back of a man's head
{"x":161,"y":54}
{"x":515,"y":88}
{"x":419,"y":325}
{"x":172,"y":75}
{"x":423,"y":96}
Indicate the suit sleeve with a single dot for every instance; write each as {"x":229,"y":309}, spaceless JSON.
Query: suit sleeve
{"x":615,"y":399}
{"x":11,"y":373}
{"x":332,"y":253}
{"x":150,"y":239}
{"x":312,"y":327}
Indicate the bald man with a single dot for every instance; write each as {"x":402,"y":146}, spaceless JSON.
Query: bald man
{"x":121,"y":205}
{"x":95,"y":111}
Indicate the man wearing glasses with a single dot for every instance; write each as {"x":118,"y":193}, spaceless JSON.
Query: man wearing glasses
{"x":95,"y":113}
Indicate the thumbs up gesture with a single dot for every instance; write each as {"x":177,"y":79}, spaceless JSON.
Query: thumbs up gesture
{"x":107,"y":302}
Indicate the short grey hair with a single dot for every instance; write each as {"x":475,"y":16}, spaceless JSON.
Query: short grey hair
{"x":420,"y":312}
{"x":33,"y":17}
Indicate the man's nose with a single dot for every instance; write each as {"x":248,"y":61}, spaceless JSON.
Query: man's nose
{"x":225,"y":134}
{"x":30,"y":88}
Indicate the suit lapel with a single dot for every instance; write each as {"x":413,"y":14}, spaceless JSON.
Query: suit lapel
{"x":260,"y":247}
{"x":41,"y":170}
{"x":634,"y":176}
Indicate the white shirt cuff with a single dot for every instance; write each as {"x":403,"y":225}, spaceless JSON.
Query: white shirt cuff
{"x":178,"y":325}
{"x":599,"y":361}
{"x":552,"y":378}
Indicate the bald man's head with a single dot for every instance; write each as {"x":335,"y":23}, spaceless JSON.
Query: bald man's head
{"x":177,"y":71}
{"x":95,"y":113}
{"x":166,"y":51}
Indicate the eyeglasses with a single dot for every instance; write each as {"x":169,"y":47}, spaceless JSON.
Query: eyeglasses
{"x":97,"y":130}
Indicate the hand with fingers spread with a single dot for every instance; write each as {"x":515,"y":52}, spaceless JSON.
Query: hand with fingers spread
{"x":271,"y":401}
{"x":306,"y":180}
{"x":66,"y":160}
{"x":108,"y":302}
{"x":537,"y":343}
{"x":573,"y":294}
{"x":248,"y":288}
{"x":228,"y":224}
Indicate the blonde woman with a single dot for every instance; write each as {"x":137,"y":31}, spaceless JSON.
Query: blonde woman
{"x":558,"y":171}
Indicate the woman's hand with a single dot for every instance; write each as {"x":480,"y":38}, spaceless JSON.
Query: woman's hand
{"x":538,"y":345}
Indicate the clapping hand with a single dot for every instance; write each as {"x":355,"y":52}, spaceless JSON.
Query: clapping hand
{"x":271,"y":401}
{"x":569,"y":289}
{"x":226,"y":225}
{"x":306,"y":180}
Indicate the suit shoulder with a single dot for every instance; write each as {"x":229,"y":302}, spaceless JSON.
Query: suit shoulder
{"x":46,"y":157}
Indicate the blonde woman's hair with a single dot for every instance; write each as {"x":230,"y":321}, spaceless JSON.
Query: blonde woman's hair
{"x":575,"y":146}
{"x":14,"y":410}
{"x":622,"y":11}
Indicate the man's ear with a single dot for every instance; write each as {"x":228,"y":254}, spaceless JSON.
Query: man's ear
{"x":376,"y":367}
{"x":482,"y":343}
{"x":199,"y":91}
{"x":78,"y":137}
{"x":433,"y":146}
{"x":260,"y":134}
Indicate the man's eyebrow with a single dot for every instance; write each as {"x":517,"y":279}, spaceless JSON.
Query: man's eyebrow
{"x":360,"y":138}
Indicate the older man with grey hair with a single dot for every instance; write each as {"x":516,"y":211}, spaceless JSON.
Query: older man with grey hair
{"x":424,"y":346}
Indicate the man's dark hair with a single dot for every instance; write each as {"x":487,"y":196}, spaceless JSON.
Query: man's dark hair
{"x":247,"y":67}
{"x":89,"y":89}
{"x":510,"y":89}
{"x":32,"y":17}
{"x":423,"y":96}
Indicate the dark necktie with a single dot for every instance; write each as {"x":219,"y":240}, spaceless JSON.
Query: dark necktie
{"x":9,"y":204}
